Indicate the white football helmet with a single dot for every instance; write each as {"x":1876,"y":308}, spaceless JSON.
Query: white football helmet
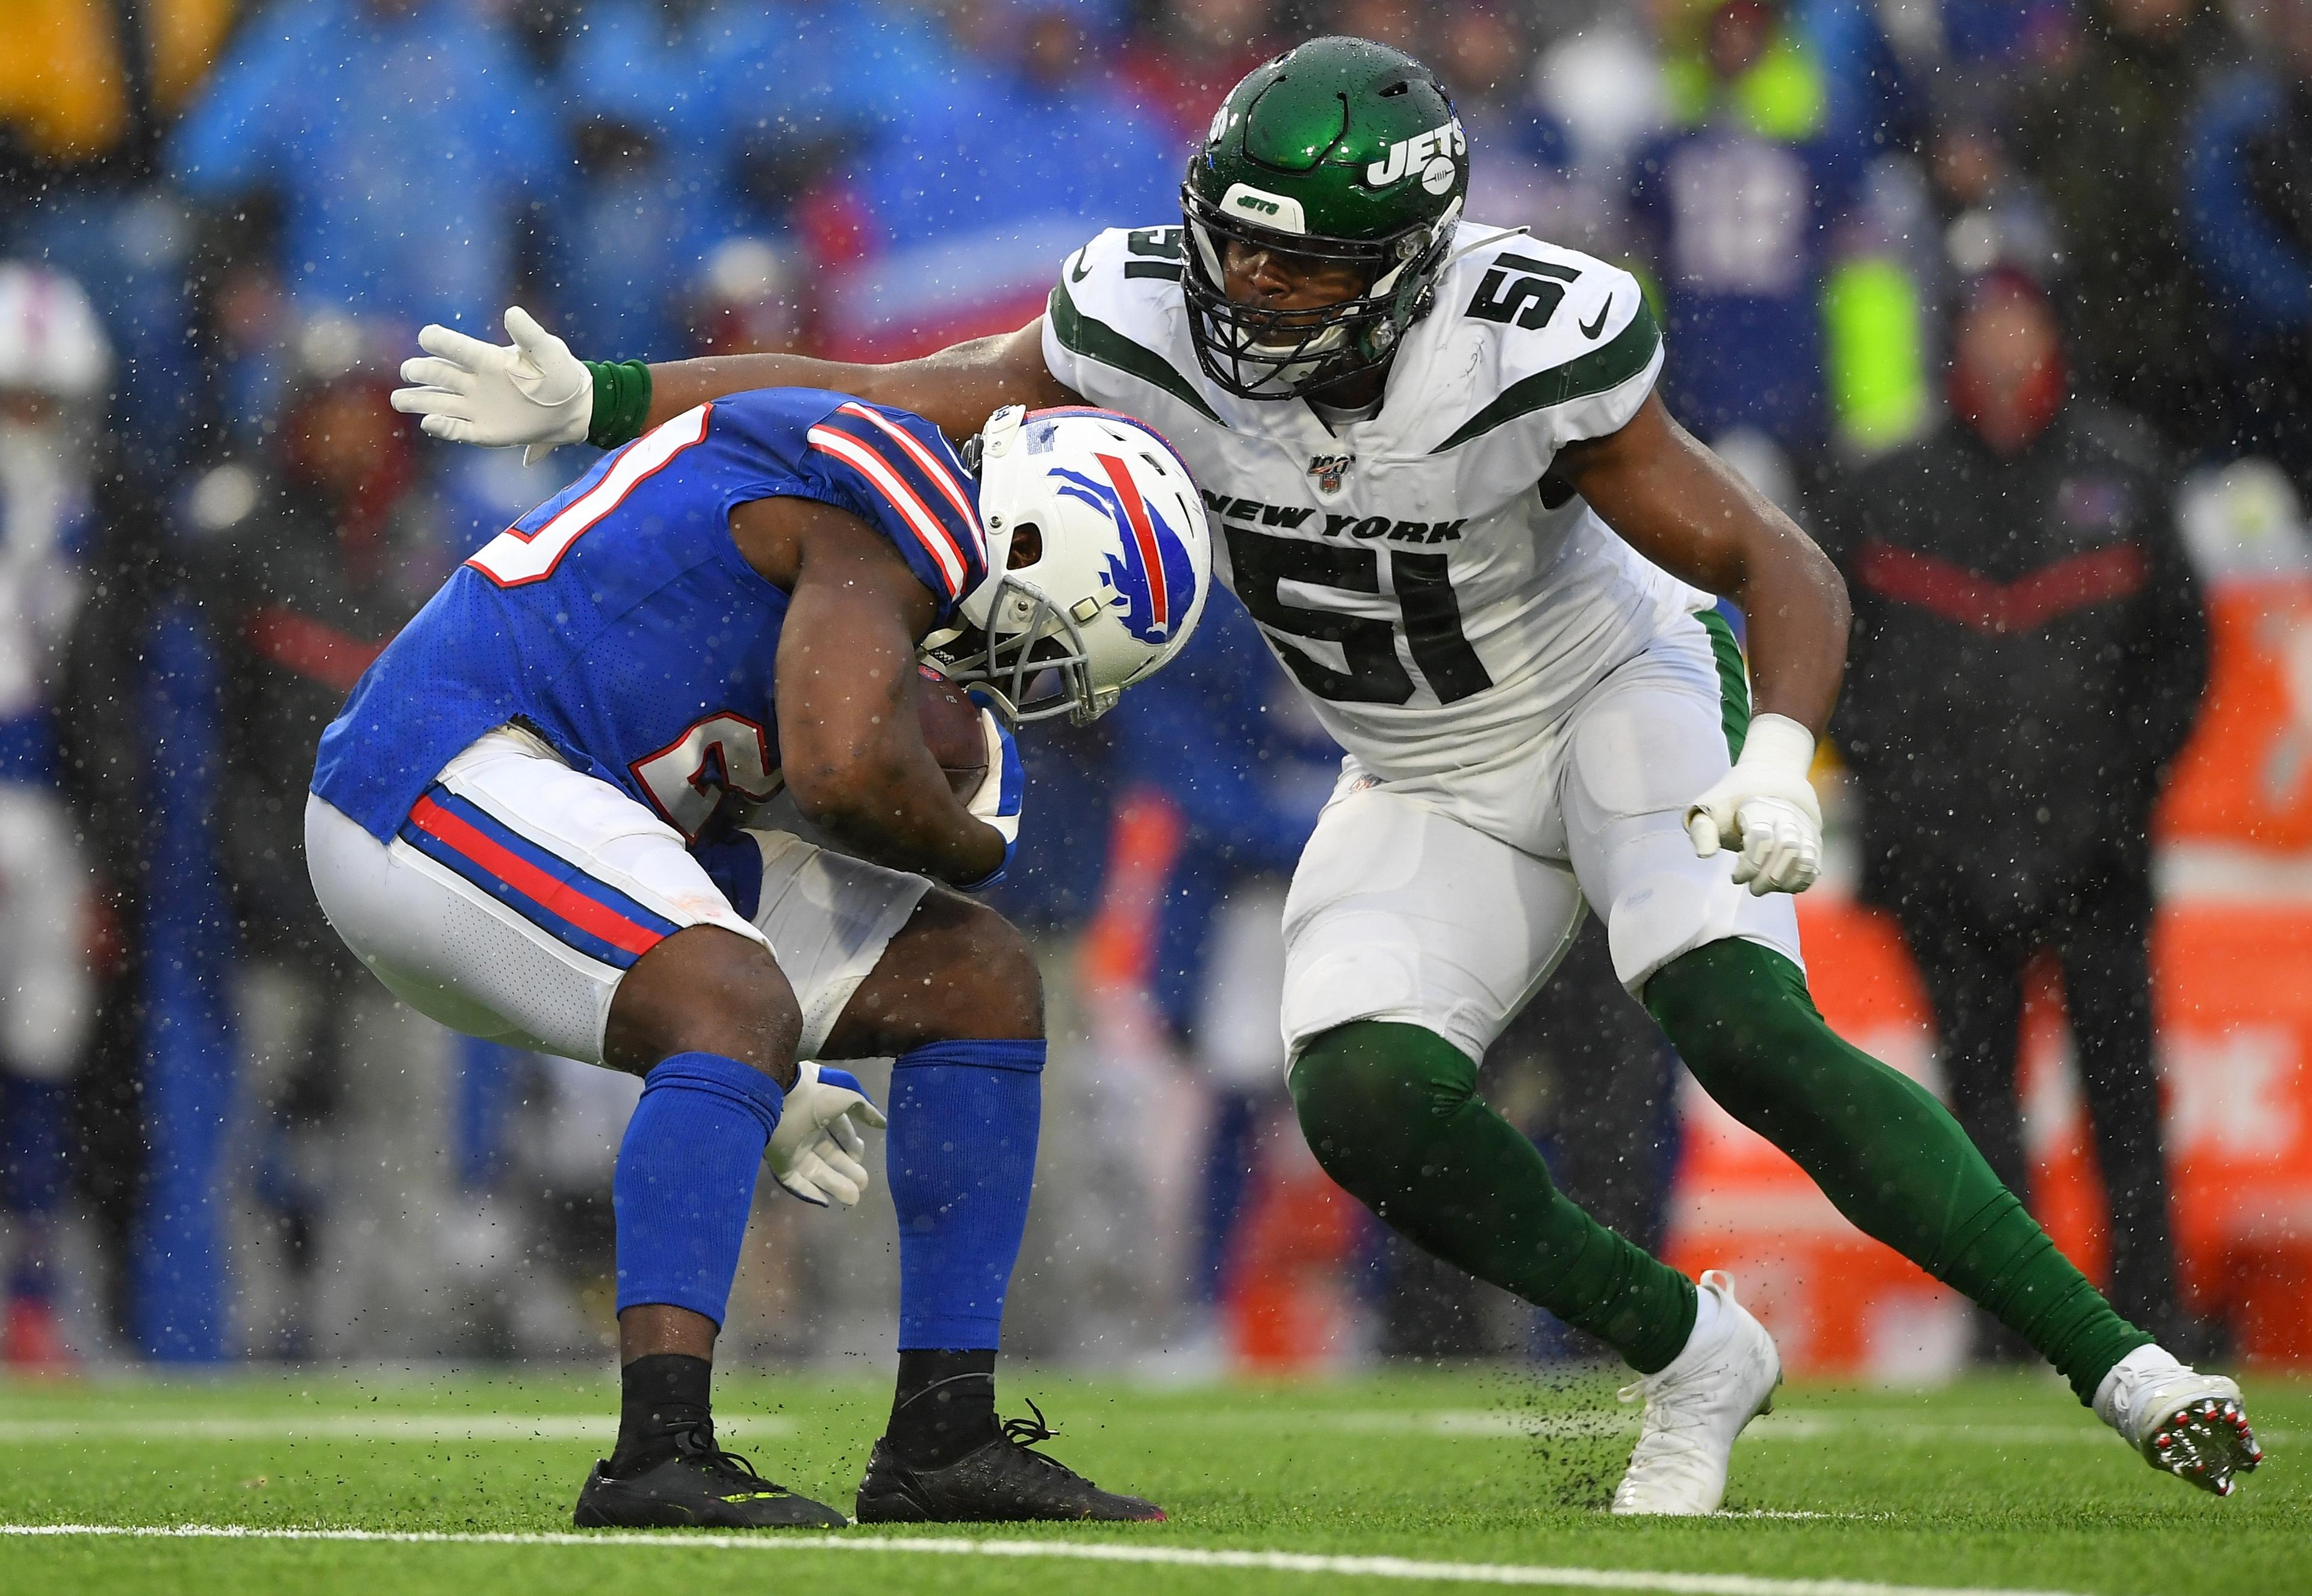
{"x":1122,"y":565}
{"x":51,"y":342}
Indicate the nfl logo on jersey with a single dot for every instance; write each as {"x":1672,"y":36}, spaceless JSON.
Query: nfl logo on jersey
{"x":1329,"y":469}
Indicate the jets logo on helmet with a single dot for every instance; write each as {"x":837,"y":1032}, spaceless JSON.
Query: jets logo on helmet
{"x":1152,"y":563}
{"x":1431,"y":154}
{"x":1100,"y":561}
{"x":1340,"y":150}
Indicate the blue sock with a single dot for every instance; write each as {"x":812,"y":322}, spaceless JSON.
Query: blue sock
{"x":686,"y":1179}
{"x":962,"y":1158}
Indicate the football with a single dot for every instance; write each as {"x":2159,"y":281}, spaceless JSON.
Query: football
{"x":950,"y":727}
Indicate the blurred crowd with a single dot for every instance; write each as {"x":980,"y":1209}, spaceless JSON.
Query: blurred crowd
{"x":222,"y":223}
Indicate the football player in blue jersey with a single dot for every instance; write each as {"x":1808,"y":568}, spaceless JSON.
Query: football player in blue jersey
{"x":531,"y":822}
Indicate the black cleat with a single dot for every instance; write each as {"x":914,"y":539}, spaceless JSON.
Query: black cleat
{"x":700,"y":1487}
{"x":1003,"y":1482}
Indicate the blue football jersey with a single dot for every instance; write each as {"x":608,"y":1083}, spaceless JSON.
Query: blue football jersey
{"x":619,"y":622}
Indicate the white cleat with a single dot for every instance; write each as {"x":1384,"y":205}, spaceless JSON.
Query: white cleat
{"x":1696,"y":1408}
{"x":2190,"y":1425}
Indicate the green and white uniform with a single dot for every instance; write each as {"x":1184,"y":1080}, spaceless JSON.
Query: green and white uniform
{"x":1527,"y":703}
{"x":1529,"y":708}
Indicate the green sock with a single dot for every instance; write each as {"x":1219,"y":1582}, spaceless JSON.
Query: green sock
{"x":1392,"y":1113}
{"x":1881,"y":1148}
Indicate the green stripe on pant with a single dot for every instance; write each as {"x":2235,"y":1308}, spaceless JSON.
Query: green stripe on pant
{"x":1733,"y":681}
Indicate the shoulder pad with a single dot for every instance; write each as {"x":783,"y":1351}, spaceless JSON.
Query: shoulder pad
{"x":896,"y":472}
{"x":1126,"y":267}
{"x":1563,"y":341}
{"x":1117,"y":303}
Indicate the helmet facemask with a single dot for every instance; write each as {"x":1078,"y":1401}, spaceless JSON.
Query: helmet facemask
{"x":1263,"y":352}
{"x":1031,"y":657}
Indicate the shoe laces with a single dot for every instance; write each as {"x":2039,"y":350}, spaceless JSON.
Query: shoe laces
{"x":695,"y":1444}
{"x":1026,"y":1434}
{"x":1668,"y":1441}
{"x":1664,"y":1432}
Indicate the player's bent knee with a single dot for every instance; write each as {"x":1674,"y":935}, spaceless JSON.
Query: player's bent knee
{"x":1372,"y":1088}
{"x":1009,"y":994}
{"x":1739,"y":1015}
{"x":704,"y":990}
{"x":958,"y":972}
{"x":970,"y":975}
{"x":1727,"y":985}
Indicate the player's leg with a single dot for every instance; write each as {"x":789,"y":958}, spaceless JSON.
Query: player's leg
{"x":1424,"y":937}
{"x":705,"y":1019}
{"x":282,"y":1011}
{"x":1972,"y":971}
{"x":886,"y":965}
{"x":1410,"y":940}
{"x":1719,"y":970}
{"x":44,"y":1024}
{"x":524,"y":901}
{"x":1898,"y":1166}
{"x":2106,"y":952}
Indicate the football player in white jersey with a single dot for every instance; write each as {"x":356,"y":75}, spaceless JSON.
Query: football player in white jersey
{"x":1471,"y":531}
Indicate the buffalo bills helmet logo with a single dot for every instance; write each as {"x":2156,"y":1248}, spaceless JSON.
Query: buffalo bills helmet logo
{"x":1155,"y":582}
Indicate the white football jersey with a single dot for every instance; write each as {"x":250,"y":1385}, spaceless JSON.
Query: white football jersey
{"x":1411,"y":571}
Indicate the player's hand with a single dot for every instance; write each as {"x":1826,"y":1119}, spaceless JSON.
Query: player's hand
{"x":1764,"y":807}
{"x":533,"y":392}
{"x":1003,"y":792}
{"x":815,"y":1152}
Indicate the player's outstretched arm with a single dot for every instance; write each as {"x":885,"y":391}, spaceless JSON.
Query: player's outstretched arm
{"x":534,"y":392}
{"x":1691,"y":514}
{"x":851,"y":747}
{"x":956,"y":389}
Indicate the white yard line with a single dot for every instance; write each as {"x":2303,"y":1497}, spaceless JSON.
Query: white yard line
{"x":1389,"y":1568}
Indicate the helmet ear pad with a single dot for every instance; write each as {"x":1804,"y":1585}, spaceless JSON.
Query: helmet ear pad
{"x":1027,"y":545}
{"x":1412,"y":287}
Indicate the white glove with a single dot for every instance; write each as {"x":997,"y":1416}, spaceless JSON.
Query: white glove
{"x":1765,"y":807}
{"x":536,"y":392}
{"x":815,"y":1150}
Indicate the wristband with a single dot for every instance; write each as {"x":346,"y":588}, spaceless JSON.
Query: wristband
{"x":1777,"y":742}
{"x":622,"y":397}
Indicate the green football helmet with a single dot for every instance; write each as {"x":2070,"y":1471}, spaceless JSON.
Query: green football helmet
{"x":1341,"y":150}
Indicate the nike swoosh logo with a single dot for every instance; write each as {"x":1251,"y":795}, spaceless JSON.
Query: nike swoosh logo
{"x":1079,"y":268}
{"x":1589,"y":329}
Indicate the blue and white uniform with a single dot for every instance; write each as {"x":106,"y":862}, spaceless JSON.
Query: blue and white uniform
{"x":526,"y":792}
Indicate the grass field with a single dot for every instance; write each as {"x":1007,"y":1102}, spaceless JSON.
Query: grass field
{"x":1995,"y":1484}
